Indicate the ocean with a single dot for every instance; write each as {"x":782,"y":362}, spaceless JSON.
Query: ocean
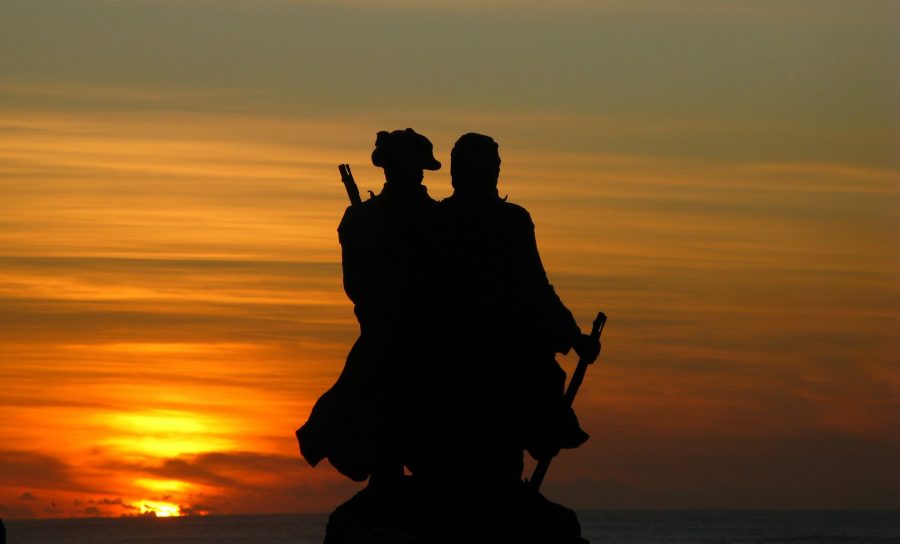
{"x":641,"y":527}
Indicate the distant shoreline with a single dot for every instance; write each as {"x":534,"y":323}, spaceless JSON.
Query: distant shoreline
{"x":613,"y":526}
{"x":592,"y":511}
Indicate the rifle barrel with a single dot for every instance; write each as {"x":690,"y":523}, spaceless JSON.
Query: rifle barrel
{"x":349,"y":184}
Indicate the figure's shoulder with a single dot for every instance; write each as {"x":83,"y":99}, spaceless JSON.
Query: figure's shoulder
{"x":496,"y":212}
{"x":512,"y":209}
{"x":515,"y":214}
{"x":360,"y":214}
{"x":371,"y":205}
{"x":371,"y":202}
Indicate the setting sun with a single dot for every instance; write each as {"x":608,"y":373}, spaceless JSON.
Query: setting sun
{"x":160,"y":509}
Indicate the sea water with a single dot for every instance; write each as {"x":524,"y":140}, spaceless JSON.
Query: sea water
{"x":795,"y":527}
{"x":687,"y":527}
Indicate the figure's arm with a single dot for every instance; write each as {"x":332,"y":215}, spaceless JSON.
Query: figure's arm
{"x":556,"y":322}
{"x":352,"y":257}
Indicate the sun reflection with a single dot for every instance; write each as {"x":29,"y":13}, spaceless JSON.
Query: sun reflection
{"x":160,"y":509}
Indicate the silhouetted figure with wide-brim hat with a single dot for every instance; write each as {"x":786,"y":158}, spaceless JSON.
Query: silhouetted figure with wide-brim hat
{"x":360,"y":424}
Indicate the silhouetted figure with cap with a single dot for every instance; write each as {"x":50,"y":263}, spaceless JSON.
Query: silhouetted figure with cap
{"x":362,"y":424}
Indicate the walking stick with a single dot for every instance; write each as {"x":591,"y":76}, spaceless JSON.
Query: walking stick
{"x":537,"y":477}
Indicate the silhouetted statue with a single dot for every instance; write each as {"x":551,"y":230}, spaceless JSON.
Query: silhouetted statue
{"x":454,"y":373}
{"x":362,"y":423}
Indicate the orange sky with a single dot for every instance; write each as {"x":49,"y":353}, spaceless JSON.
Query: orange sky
{"x":171,"y":300}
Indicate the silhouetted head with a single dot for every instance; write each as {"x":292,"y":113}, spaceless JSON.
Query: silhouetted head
{"x":475,"y":165}
{"x":404,"y":155}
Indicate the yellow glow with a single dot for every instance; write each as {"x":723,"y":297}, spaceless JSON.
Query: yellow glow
{"x":161,"y":485}
{"x":160,"y":509}
{"x":164,"y":433}
{"x":167,"y":447}
{"x":158,"y":421}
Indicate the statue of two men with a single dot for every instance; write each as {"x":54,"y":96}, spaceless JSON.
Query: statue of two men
{"x":453,"y":376}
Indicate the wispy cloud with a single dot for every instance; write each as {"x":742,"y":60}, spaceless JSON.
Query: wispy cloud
{"x":36,"y":470}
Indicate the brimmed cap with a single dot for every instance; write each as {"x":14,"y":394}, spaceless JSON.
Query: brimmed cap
{"x":404,"y":148}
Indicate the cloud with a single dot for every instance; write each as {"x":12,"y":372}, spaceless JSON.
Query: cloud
{"x":113,"y":502}
{"x":16,"y":511}
{"x":93,"y":511}
{"x":200,"y":509}
{"x":52,"y":510}
{"x":245,"y":482}
{"x":234,"y":470}
{"x":27,"y":496}
{"x":36,"y":470}
{"x":536,"y":9}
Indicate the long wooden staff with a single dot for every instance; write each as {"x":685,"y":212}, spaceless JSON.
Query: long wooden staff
{"x":537,"y":477}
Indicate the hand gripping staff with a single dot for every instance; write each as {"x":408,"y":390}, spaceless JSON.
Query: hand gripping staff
{"x":537,"y":477}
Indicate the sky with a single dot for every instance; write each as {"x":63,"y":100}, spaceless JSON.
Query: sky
{"x":720,"y":178}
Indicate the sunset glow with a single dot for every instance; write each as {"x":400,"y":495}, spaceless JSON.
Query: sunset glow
{"x":720,"y":178}
{"x":160,"y":509}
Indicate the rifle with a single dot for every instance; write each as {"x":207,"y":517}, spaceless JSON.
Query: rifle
{"x":350,"y":184}
{"x":537,"y":477}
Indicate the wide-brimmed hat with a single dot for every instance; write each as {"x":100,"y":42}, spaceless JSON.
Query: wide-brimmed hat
{"x":404,"y":148}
